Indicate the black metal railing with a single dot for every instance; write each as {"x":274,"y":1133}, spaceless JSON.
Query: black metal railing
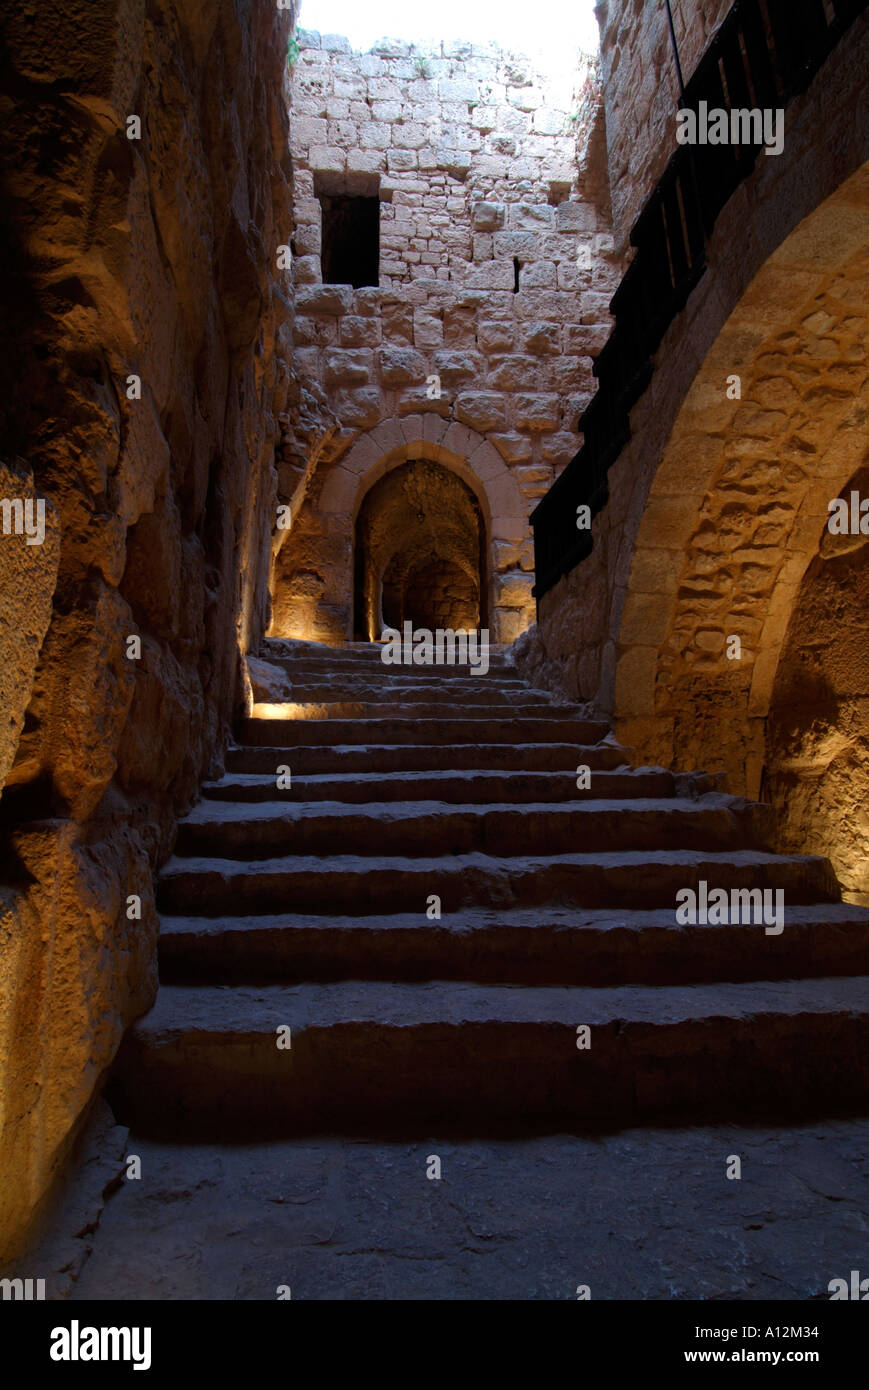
{"x":764,"y":53}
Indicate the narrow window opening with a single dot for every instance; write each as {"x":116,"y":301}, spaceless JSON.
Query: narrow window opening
{"x":516,"y":268}
{"x":351,"y":240}
{"x":558,"y":194}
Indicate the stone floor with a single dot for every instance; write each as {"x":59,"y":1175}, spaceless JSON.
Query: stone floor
{"x":644,"y":1214}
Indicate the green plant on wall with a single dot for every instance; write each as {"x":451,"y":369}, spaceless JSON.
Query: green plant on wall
{"x":293,"y":51}
{"x":421,"y":67}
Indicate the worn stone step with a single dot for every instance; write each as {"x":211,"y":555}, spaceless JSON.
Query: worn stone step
{"x":441,"y":693}
{"x":411,"y":711}
{"x":498,"y":678}
{"x":408,"y":758}
{"x":427,"y":828}
{"x":473,"y":785}
{"x":343,"y":883}
{"x":290,"y":649}
{"x":524,"y":946}
{"x":360,"y":663}
{"x":448,"y":732}
{"x":368,"y":1056}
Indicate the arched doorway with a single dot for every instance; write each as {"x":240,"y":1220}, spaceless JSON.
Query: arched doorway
{"x":737,"y":506}
{"x":816,"y":771}
{"x":420,"y":553}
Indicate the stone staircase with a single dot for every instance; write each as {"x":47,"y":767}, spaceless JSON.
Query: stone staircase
{"x":308,"y":909}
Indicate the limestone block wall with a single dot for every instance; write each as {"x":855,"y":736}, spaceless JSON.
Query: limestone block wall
{"x":152,"y":258}
{"x":641,"y":90}
{"x":473,"y":156}
{"x":28,"y":574}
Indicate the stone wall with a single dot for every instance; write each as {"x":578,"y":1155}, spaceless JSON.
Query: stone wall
{"x":774,"y":457}
{"x":150,"y":257}
{"x":474,"y":159}
{"x":717,"y":506}
{"x":641,"y":90}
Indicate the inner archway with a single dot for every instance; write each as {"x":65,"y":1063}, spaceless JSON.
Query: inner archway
{"x":816,"y":772}
{"x":420,"y":553}
{"x":739,"y":501}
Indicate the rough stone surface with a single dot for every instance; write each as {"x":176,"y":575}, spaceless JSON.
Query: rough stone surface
{"x":268,"y":683}
{"x":143,"y":378}
{"x":173,"y":378}
{"x":487,"y":980}
{"x":636,"y":1215}
{"x":816,"y":773}
{"x":458,"y":220}
{"x":718,"y":505}
{"x":62,"y":1242}
{"x":28,"y":574}
{"x":642,"y":92}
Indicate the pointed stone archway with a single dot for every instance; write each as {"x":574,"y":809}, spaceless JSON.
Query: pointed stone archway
{"x":738,"y":505}
{"x":327,"y":613}
{"x":420,"y":553}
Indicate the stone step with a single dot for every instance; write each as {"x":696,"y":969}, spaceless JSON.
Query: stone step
{"x":447,"y":1056}
{"x":351,"y":663}
{"x":342,"y":883}
{"x":286,"y":733}
{"x":460,"y":678}
{"x":546,"y":945}
{"x":412,"y":711}
{"x":428,"y":828}
{"x":471,"y":786}
{"x":290,"y":647}
{"x":408,"y":758}
{"x":498,"y":676}
{"x":441,"y":693}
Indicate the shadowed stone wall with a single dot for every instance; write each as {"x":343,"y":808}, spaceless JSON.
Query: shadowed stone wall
{"x":150,"y":257}
{"x":718,"y":505}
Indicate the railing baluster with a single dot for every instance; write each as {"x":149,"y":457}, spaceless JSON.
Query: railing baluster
{"x":760,"y":64}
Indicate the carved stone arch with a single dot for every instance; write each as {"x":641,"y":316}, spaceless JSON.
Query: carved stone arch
{"x":737,"y":507}
{"x":472,"y":458}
